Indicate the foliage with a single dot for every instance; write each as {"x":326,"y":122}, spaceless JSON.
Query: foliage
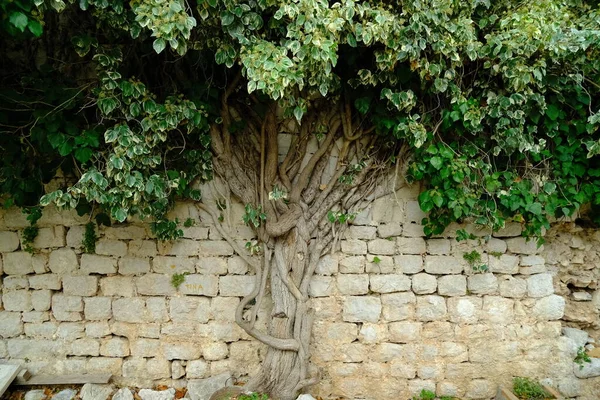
{"x":178,"y":279}
{"x":89,"y":238}
{"x":166,"y":230}
{"x":253,"y":247}
{"x":581,"y":357}
{"x":253,"y":396}
{"x":376,"y":260}
{"x":425,"y":395}
{"x":528,"y":389}
{"x":189,"y":222}
{"x":340,"y":217}
{"x":253,"y":216}
{"x":474,"y":260}
{"x":30,"y":232}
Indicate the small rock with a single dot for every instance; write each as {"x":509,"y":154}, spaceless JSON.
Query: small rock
{"x":580,"y":337}
{"x":589,"y":370}
{"x":147,"y":394}
{"x":123,"y":394}
{"x":202,"y":389}
{"x":67,"y":394}
{"x":305,"y":397}
{"x":581,"y":296}
{"x":91,"y":391}
{"x":35,"y":395}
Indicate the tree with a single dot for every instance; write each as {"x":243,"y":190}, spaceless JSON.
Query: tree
{"x":492,"y":106}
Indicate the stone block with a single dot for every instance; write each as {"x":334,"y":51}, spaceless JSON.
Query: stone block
{"x":389,"y":283}
{"x":18,"y":263}
{"x":9,"y":241}
{"x":107,"y":247}
{"x":443,"y":265}
{"x":520,"y":245}
{"x":117,"y":286}
{"x":36,"y":316}
{"x":50,"y":237}
{"x":75,"y":236}
{"x":41,"y":299}
{"x":69,"y":331}
{"x":431,"y":308}
{"x":540,"y":285}
{"x":513,"y":287}
{"x":202,"y":389}
{"x":115,"y":347}
{"x":212,"y":266}
{"x":373,"y":333}
{"x":452,"y":285}
{"x":380,"y":264}
{"x":197,"y":369}
{"x":482,"y":283}
{"x":129,"y":310}
{"x":549,"y":308}
{"x":398,"y":306}
{"x":511,"y":229}
{"x":80,"y":285}
{"x":361,"y":232}
{"x":171,"y":265}
{"x":480,"y":389}
{"x":362,"y":309}
{"x":494,"y":245}
{"x":67,"y":308}
{"x":181,"y":351}
{"x":145,"y":347}
{"x":94,"y":264}
{"x":85,"y":347}
{"x":195,"y":232}
{"x":158,"y":368}
{"x":389,"y":230}
{"x":44,"y":330}
{"x":321,"y":286}
{"x":189,"y":309}
{"x":405,"y":332}
{"x":154,"y":285}
{"x":45,"y":281}
{"x":39,"y":262}
{"x":354,"y":247}
{"x":413,"y":231}
{"x":408,"y":264}
{"x":223,"y":308}
{"x":237,"y":266}
{"x":382,"y":247}
{"x":125,"y":232}
{"x":353,"y":284}
{"x":214,"y":351}
{"x":134,"y":266}
{"x":63,"y":261}
{"x":10,"y":324}
{"x":352,"y":265}
{"x":215,"y":248}
{"x":142,"y":248}
{"x":505,"y":264}
{"x":327,"y":265}
{"x":438,"y":247}
{"x":97,"y":329}
{"x":208,"y":285}
{"x":498,"y":310}
{"x":411,"y":245}
{"x":17,"y":300}
{"x":424,"y":283}
{"x":98,"y":308}
{"x":464,"y":310}
{"x":134,"y":368}
{"x":179,"y":247}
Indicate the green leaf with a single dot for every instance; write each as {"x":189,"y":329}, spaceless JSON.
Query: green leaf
{"x":436,"y":162}
{"x":18,"y":20}
{"x":552,"y":112}
{"x":35,"y":27}
{"x":159,"y":45}
{"x":84,"y":154}
{"x":120,"y":214}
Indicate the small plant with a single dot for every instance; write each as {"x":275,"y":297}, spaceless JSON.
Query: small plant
{"x":340,"y":217}
{"x":496,"y":254}
{"x":447,"y":398}
{"x":254,"y":216}
{"x":166,"y":230}
{"x":474,"y":260}
{"x":253,"y":247}
{"x":462,"y":234}
{"x":253,"y":396}
{"x":528,"y":389}
{"x":582,"y":357}
{"x":29,"y":235}
{"x":376,"y":260}
{"x":189,"y":223}
{"x":277,"y":193}
{"x":89,"y":238}
{"x":425,"y":395}
{"x":178,"y":279}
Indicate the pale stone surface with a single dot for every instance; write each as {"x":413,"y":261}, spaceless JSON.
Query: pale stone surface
{"x":17,"y":300}
{"x":512,"y":287}
{"x":362,"y":309}
{"x":405,"y":332}
{"x":134,"y":266}
{"x":15,"y":283}
{"x":361,"y":232}
{"x":236,"y":285}
{"x":464,"y":310}
{"x":442,"y":265}
{"x":67,"y":308}
{"x":389,"y":283}
{"x":497,"y":309}
{"x":212,"y":266}
{"x":580,"y":337}
{"x":147,"y":394}
{"x":505,"y":264}
{"x":431,"y":308}
{"x":142,"y":248}
{"x":80,"y":285}
{"x":480,"y":389}
{"x":353,"y":284}
{"x":63,"y":261}
{"x":45,"y":281}
{"x":424,"y":283}
{"x":540,"y":285}
{"x":520,"y":245}
{"x":237,"y":266}
{"x":117,"y":286}
{"x":398,"y":306}
{"x":382,"y":247}
{"x":94,"y":264}
{"x":354,"y":247}
{"x":452,"y":285}
{"x":177,"y":369}
{"x":411,"y":245}
{"x":129,"y":310}
{"x":202,"y":389}
{"x":154,"y":285}
{"x":49,"y":237}
{"x":107,"y":247}
{"x":409,"y":264}
{"x":91,"y":391}
{"x":10,"y":324}
{"x":549,"y":308}
{"x":328,"y":265}
{"x":352,"y":265}
{"x":18,"y":263}
{"x":181,"y":351}
{"x":9,"y":241}
{"x":215,"y":248}
{"x":66,"y":394}
{"x":123,"y":394}
{"x":321,"y":286}
{"x":115,"y":347}
{"x":482,"y":283}
{"x":37,"y":394}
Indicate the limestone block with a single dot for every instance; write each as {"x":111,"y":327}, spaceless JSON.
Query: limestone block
{"x":107,"y":247}
{"x":321,"y":286}
{"x":41,"y":300}
{"x":223,"y":308}
{"x":498,"y":310}
{"x":215,"y":248}
{"x":202,"y":389}
{"x":480,"y":389}
{"x":212,"y":266}
{"x":411,"y":245}
{"x":380,"y":264}
{"x":236,"y":285}
{"x":465,"y":310}
{"x":452,"y":285}
{"x":398,"y":306}
{"x":115,"y":347}
{"x":85,"y":347}
{"x":454,"y":352}
{"x":214,"y":351}
{"x":9,"y":241}
{"x":145,"y":347}
{"x":335,"y":332}
{"x":434,"y":372}
{"x":389,"y":283}
{"x":402,"y":369}
{"x":415,"y":386}
{"x":18,"y":263}
{"x":353,"y":284}
{"x":579,"y":336}
{"x":424,"y":283}
{"x":134,"y":368}
{"x":36,"y":316}
{"x":512,"y":287}
{"x":443,"y":265}
{"x":171,"y":265}
{"x":67,"y":308}
{"x":237,"y":266}
{"x":195,"y":232}
{"x":520,"y":245}
{"x":154,"y":285}
{"x":511,"y":229}
{"x":179,"y":247}
{"x":45,"y":281}
{"x":431,"y":308}
{"x":94,"y":264}
{"x":80,"y":285}
{"x":63,"y":261}
{"x":589,"y":370}
{"x":142,"y":248}
{"x":118,"y":286}
{"x":97,"y":329}
{"x":181,"y":351}
{"x":388,"y":230}
{"x":373,"y":333}
{"x":197,"y":369}
{"x":413,"y":231}
{"x":352,"y":265}
{"x":124,"y":232}
{"x":327,"y":265}
{"x":91,"y":391}
{"x":134,"y":266}
{"x":438,"y":247}
{"x":50,"y":237}
{"x":382,"y":247}
{"x":158,"y":368}
{"x":39,"y":262}
{"x":17,"y":300}
{"x":387,"y":209}
{"x":505,"y":264}
{"x":413,"y":212}
{"x":482,"y":283}
{"x":408,"y":264}
{"x":362,"y":309}
{"x":129,"y":310}
{"x":10,"y":324}
{"x":540,"y":285}
{"x":123,"y":394}
{"x":494,"y":245}
{"x":75,"y":236}
{"x":354,"y":247}
{"x":549,"y":308}
{"x":189,"y":309}
{"x":44,"y":330}
{"x":405,"y":331}
{"x":361,"y":232}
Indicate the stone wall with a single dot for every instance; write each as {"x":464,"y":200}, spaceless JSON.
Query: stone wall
{"x":395,"y":312}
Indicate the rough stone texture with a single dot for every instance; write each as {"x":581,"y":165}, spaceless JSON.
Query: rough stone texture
{"x":389,"y":283}
{"x":442,"y":265}
{"x":123,"y":394}
{"x":424,"y":283}
{"x":93,"y":264}
{"x":63,"y":261}
{"x":482,"y":284}
{"x":540,"y":285}
{"x":202,"y":389}
{"x":147,"y":394}
{"x":9,"y":241}
{"x":362,"y":309}
{"x":452,"y":285}
{"x":91,"y":391}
